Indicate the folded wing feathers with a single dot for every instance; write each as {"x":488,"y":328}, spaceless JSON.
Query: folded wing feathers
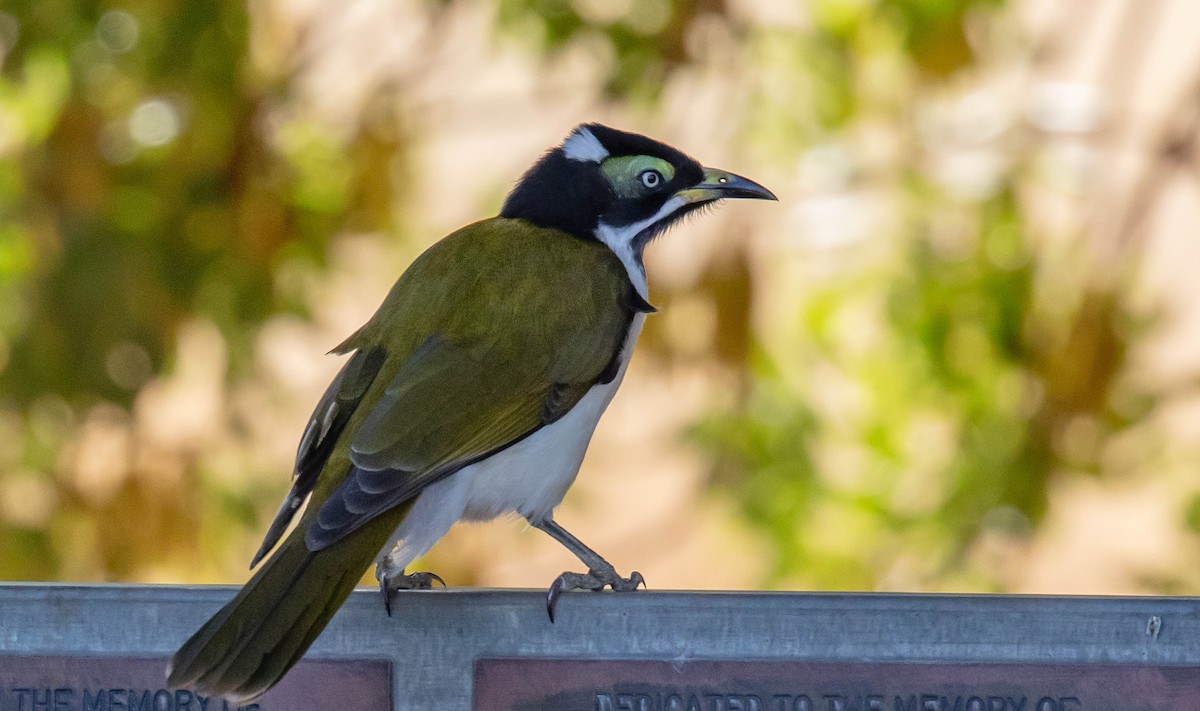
{"x":324,"y":428}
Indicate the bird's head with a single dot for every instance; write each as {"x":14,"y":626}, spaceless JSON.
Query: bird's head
{"x":621,"y":188}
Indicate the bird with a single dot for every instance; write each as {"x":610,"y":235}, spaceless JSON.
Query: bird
{"x":472,"y":393}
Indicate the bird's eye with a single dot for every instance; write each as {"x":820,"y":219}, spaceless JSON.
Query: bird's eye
{"x":651,"y":178}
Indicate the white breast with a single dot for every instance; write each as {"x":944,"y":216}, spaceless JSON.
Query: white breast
{"x":529,"y":478}
{"x":621,"y":241}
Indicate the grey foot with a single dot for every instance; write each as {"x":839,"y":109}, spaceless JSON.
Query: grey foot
{"x":412,"y":581}
{"x":594,"y":580}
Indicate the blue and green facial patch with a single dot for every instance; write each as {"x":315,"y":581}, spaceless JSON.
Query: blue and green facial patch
{"x":636,"y":176}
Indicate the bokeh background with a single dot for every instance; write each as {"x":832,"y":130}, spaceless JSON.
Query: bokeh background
{"x":961,"y":353}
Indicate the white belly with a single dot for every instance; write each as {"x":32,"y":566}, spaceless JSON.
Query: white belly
{"x":529,"y":478}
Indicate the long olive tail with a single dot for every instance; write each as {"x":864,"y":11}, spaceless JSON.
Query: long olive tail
{"x":264,"y":630}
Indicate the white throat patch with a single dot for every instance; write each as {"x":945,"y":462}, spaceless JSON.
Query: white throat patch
{"x":620,"y":241}
{"x":582,"y":145}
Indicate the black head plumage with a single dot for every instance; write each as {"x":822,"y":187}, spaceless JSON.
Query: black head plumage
{"x":566,"y":189}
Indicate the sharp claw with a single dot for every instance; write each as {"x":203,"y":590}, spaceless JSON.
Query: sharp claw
{"x":592,"y":580}
{"x":387,"y":594}
{"x":414,"y":581}
{"x":556,"y":589}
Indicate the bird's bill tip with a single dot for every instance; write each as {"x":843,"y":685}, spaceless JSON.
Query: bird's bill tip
{"x":719,"y":184}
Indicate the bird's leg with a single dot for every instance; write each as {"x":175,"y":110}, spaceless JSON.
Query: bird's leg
{"x":601,"y":573}
{"x":392,"y":578}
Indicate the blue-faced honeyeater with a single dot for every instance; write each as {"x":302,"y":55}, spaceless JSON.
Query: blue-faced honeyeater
{"x":471,"y":393}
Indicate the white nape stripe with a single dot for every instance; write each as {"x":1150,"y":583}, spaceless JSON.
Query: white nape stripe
{"x":620,"y":241}
{"x":582,"y":145}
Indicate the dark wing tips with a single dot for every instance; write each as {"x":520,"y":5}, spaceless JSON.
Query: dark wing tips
{"x":332,"y":413}
{"x":364,"y":494}
{"x":324,"y":428}
{"x":280,"y":523}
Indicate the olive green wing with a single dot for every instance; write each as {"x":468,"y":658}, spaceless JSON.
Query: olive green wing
{"x":539,"y":319}
{"x":446,"y":408}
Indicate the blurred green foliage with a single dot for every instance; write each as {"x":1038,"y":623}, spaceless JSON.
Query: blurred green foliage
{"x":978,"y":384}
{"x":146,"y":188}
{"x":122,"y":191}
{"x":155,"y":169}
{"x":649,"y":38}
{"x":645,"y":39}
{"x":142,"y":187}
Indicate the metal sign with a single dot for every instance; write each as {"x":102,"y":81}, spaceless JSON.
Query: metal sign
{"x":115,"y":683}
{"x":104,"y":648}
{"x":575,"y":685}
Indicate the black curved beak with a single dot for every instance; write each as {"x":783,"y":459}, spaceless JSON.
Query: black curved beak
{"x":721,"y":184}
